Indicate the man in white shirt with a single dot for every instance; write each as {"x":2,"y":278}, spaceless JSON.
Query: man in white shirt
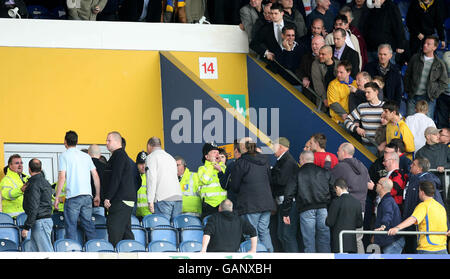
{"x":418,"y":122}
{"x":163,"y":188}
{"x":75,"y":168}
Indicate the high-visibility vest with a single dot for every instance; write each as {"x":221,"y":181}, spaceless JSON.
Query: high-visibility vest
{"x":12,"y":195}
{"x":209,"y":188}
{"x":192,"y":202}
{"x":142,"y":202}
{"x":61,"y":195}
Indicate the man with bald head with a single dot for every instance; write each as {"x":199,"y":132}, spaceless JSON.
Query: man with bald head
{"x":95,"y":153}
{"x":120,"y":190}
{"x":312,"y":187}
{"x":357,"y":177}
{"x":323,"y":71}
{"x":304,"y":71}
{"x":316,"y":29}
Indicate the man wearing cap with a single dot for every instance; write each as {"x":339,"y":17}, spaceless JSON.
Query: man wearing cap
{"x":211,"y":192}
{"x":142,"y":202}
{"x":284,"y":168}
{"x":437,"y":153}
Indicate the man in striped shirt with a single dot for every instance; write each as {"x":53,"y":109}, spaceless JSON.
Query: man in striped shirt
{"x":366,"y":118}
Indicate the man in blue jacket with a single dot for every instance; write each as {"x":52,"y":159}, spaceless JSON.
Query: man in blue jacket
{"x":419,"y":173}
{"x":388,"y":216}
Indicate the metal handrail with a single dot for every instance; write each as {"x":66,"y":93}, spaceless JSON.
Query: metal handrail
{"x":341,"y":240}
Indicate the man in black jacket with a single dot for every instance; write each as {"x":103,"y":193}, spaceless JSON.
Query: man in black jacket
{"x":120,"y":191}
{"x":344,"y":214}
{"x":284,"y":168}
{"x":250,"y":179}
{"x":224,"y":231}
{"x":37,"y":203}
{"x":384,"y":26}
{"x":312,"y":188}
{"x":94,"y":152}
{"x":389,"y":72}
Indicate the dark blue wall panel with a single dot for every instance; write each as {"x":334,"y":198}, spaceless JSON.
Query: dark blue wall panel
{"x":179,"y":94}
{"x":297,"y":121}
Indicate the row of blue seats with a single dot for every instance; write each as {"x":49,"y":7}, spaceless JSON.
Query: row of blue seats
{"x":152,"y":228}
{"x":103,"y":246}
{"x":148,"y":221}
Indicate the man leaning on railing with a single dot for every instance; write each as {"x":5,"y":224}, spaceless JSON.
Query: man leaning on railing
{"x":430,"y":216}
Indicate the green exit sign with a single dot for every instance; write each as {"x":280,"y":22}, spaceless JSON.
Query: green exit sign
{"x":237,"y":101}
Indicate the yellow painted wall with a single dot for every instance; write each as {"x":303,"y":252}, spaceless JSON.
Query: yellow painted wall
{"x":45,"y":92}
{"x":232,"y":69}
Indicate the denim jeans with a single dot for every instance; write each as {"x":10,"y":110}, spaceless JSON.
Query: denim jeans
{"x":287,"y":234}
{"x":170,"y":209}
{"x":260,"y":221}
{"x":79,"y":207}
{"x":316,"y":235}
{"x":444,"y":252}
{"x":395,"y":247}
{"x":41,"y":235}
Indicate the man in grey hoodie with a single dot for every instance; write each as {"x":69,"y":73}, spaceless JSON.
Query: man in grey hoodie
{"x":357,"y":177}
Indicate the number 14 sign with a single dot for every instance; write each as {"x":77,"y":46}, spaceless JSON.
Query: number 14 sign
{"x":208,"y":67}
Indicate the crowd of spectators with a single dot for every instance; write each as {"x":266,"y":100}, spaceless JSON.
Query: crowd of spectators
{"x":292,"y":206}
{"x":387,"y":87}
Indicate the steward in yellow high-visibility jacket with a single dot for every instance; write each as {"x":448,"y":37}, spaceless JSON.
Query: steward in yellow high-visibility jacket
{"x":192,"y":203}
{"x":11,"y":187}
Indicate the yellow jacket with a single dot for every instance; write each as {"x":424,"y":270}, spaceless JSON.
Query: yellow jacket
{"x":338,"y":92}
{"x":12,"y":195}
{"x":401,"y":131}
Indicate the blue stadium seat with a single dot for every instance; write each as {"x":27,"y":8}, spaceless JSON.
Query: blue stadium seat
{"x":6,"y":219}
{"x":163,"y":233}
{"x":60,"y":233}
{"x":20,"y":221}
{"x":10,"y":232}
{"x":190,"y":246}
{"x":191,"y":234}
{"x":39,"y":12}
{"x":140,"y":234}
{"x":182,"y":221}
{"x":135,"y":220}
{"x":101,"y":230}
{"x":99,"y":220}
{"x":58,"y":219}
{"x":101,"y":233}
{"x":7,"y":245}
{"x":246,"y":245}
{"x":67,"y":245}
{"x":161,"y":246}
{"x":154,"y":220}
{"x":98,"y":245}
{"x":129,"y":245}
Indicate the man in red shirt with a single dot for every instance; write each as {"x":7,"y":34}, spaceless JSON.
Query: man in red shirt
{"x":398,"y":177}
{"x":318,"y":144}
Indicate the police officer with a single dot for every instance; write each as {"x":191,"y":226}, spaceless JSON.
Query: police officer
{"x":142,"y":203}
{"x":211,"y":192}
